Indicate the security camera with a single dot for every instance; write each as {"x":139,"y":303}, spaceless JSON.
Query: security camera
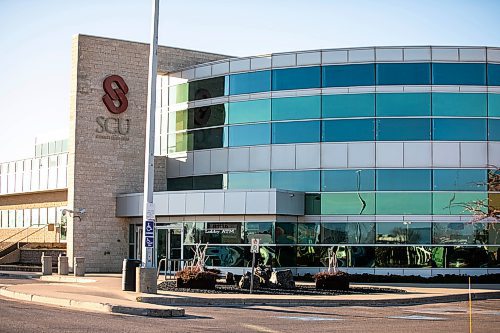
{"x":82,"y":211}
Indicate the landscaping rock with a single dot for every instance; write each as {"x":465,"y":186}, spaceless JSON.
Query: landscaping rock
{"x":245,"y":281}
{"x":282,"y":279}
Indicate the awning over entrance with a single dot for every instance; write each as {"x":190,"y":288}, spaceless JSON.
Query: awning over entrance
{"x":215,"y":202}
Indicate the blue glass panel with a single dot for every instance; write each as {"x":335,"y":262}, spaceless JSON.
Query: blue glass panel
{"x":494,"y":129}
{"x":307,"y":181}
{"x":459,"y":180}
{"x":494,"y":105}
{"x":248,"y":180}
{"x":459,"y":129}
{"x":296,"y":78}
{"x":249,"y":111}
{"x":349,"y":75}
{"x":466,"y":105}
{"x":249,"y":135}
{"x":460,"y":74}
{"x":348,"y":130}
{"x":391,"y":129}
{"x":418,"y":73}
{"x":296,"y":131}
{"x":308,"y":107}
{"x":348,"y":105}
{"x":247,"y":83}
{"x":403,"y":180}
{"x":409,"y":104}
{"x":347,"y":180}
{"x":494,"y":74}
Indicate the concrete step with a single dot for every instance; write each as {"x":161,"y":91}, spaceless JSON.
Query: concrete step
{"x":25,"y":268}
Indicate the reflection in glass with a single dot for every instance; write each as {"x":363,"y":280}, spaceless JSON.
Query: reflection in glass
{"x":286,"y":256}
{"x":348,"y":233}
{"x":406,"y":232}
{"x":260,"y":230}
{"x":313,"y":204}
{"x":308,"y":233}
{"x":347,"y":180}
{"x":460,"y":233}
{"x":208,"y":88}
{"x":285,"y":232}
{"x":404,"y":256}
{"x":463,"y":257}
{"x":296,"y":180}
{"x":360,"y":203}
{"x":226,"y":256}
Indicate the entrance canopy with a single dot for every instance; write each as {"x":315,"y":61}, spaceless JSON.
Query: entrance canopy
{"x":215,"y":202}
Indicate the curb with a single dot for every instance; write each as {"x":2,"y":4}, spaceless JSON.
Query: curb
{"x":19,"y":276}
{"x":312,"y":302}
{"x":94,"y":306}
{"x":66,"y":279}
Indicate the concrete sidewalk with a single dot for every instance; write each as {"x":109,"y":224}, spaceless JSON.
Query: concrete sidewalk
{"x":102,"y":292}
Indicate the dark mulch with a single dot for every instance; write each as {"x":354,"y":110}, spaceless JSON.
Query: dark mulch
{"x":299,"y":290}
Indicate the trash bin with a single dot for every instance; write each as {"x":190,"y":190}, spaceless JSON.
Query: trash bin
{"x":128,"y":274}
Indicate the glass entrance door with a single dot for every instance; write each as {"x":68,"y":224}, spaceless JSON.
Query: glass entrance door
{"x":169,"y":247}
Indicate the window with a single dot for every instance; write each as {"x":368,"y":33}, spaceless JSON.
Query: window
{"x":494,"y":105}
{"x":264,"y":231}
{"x":296,"y":78}
{"x":249,"y":180}
{"x":195,"y":183}
{"x":404,"y":74}
{"x":494,"y":74}
{"x":313,"y":204}
{"x":305,"y":181}
{"x":249,"y":111}
{"x":348,"y":203}
{"x":459,"y":74}
{"x":459,"y":129}
{"x":404,"y":203}
{"x":249,"y":135}
{"x":285,"y":232}
{"x":348,"y":233}
{"x":460,"y":233}
{"x":465,"y":105}
{"x":404,"y":256}
{"x":178,"y":93}
{"x":205,"y":116}
{"x":348,"y":130}
{"x":407,"y":104}
{"x":208,"y":88}
{"x":460,"y":180}
{"x":308,"y":107}
{"x":247,"y":83}
{"x":405,"y":232}
{"x":308,"y":233}
{"x":348,"y":105}
{"x":296,"y":132}
{"x":208,"y":138}
{"x":403,"y":180}
{"x":494,"y":129}
{"x":347,"y":180}
{"x":455,"y":203}
{"x":391,"y":129}
{"x":349,"y":75}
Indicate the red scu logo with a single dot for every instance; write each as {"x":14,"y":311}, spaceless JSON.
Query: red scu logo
{"x":115,"y":99}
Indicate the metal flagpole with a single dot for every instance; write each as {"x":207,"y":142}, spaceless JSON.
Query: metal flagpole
{"x":148,"y":208}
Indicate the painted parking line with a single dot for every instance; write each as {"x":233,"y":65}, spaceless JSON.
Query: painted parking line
{"x":416,"y":317}
{"x":309,"y":318}
{"x":259,"y":328}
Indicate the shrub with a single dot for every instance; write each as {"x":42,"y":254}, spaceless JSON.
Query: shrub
{"x":332,"y":281}
{"x":195,"y":278}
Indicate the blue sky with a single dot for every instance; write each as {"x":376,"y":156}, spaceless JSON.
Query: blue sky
{"x":35,"y":40}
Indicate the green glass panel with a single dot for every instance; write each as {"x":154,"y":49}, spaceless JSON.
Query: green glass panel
{"x":313,"y":203}
{"x":494,"y":105}
{"x":178,"y":121}
{"x":296,"y":180}
{"x":348,"y":105}
{"x":457,"y":203}
{"x":409,"y":104}
{"x":348,"y":203}
{"x":178,"y":93}
{"x":404,"y":203}
{"x":308,"y":107}
{"x":249,"y":111}
{"x":249,"y":180}
{"x":180,"y":142}
{"x":465,"y":105}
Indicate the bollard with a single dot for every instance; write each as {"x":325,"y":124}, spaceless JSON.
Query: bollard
{"x":62,"y":265}
{"x":46,"y":264}
{"x":79,"y":266}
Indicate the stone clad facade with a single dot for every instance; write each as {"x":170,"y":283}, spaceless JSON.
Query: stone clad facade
{"x":102,"y":165}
